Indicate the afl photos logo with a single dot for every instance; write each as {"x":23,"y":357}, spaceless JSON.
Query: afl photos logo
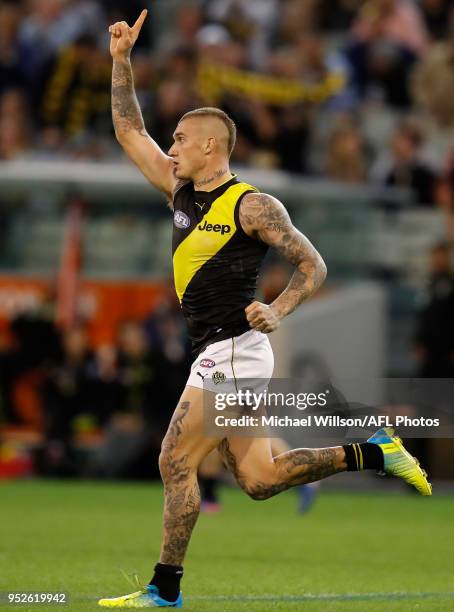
{"x":181,"y":220}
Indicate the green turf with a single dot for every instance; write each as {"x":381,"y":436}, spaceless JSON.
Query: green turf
{"x":354,"y":552}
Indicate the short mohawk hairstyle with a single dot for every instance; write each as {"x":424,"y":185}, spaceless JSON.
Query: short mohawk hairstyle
{"x":211,"y":111}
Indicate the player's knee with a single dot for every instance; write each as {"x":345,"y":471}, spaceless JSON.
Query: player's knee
{"x":258,"y":491}
{"x":163,"y":463}
{"x":171,"y":467}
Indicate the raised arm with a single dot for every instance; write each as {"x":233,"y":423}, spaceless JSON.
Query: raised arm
{"x":127,"y":117}
{"x":266,"y":219}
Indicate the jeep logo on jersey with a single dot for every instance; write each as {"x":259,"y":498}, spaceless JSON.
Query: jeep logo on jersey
{"x":181,"y":220}
{"x":217,"y":227}
{"x":207,"y":363}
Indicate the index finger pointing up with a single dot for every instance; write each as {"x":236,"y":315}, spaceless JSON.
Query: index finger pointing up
{"x":139,"y":23}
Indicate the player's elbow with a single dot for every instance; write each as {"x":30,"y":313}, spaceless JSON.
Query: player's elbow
{"x":322,"y":271}
{"x":314,"y":270}
{"x":122,"y":136}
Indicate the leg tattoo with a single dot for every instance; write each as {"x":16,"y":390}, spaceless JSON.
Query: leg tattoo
{"x":230,"y":463}
{"x":304,"y":465}
{"x":181,"y":492}
{"x":290,"y":469}
{"x":256,"y":489}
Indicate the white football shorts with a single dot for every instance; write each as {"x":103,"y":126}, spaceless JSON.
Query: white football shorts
{"x":241,"y":362}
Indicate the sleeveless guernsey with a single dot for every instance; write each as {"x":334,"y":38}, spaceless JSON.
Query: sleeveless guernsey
{"x":215,"y":263}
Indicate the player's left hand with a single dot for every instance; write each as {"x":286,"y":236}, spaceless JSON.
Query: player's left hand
{"x":262,"y":317}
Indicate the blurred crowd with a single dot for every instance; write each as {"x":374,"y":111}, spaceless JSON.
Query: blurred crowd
{"x":121,"y":396}
{"x":391,"y":122}
{"x":99,"y":410}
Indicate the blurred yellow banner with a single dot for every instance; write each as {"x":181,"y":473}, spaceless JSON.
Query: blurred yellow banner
{"x":214,"y":80}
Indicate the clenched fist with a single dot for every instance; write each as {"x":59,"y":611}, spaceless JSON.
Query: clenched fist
{"x":262,"y":317}
{"x":123,"y":38}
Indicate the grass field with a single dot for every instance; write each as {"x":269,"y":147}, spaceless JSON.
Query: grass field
{"x":354,"y":552}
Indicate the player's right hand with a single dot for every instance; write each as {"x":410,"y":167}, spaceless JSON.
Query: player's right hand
{"x":123,"y":37}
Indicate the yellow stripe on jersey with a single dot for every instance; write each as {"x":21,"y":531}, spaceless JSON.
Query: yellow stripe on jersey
{"x":215,"y":229}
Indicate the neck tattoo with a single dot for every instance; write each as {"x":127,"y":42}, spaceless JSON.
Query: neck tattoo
{"x":207,"y":181}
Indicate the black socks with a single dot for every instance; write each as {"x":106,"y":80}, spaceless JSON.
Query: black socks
{"x":364,"y":456}
{"x":167,"y":579}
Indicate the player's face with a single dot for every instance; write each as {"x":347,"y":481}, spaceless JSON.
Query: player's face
{"x":188,"y":149}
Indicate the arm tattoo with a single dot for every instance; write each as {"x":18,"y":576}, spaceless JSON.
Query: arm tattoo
{"x":126,"y":113}
{"x":268,"y":218}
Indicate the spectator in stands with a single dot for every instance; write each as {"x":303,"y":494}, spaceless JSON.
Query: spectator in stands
{"x":53,"y":24}
{"x":166,"y":331}
{"x":66,"y":395}
{"x":292,"y":137}
{"x":76,"y":95}
{"x":36,"y":339}
{"x":435,"y":329}
{"x":14,"y":125}
{"x":183,"y":32}
{"x":407,"y":167}
{"x":381,"y":71}
{"x":174,"y":363}
{"x":134,"y":432}
{"x":295,"y":18}
{"x":10,"y":65}
{"x":444,"y":194}
{"x":105,"y":383}
{"x":214,"y":44}
{"x":444,"y":197}
{"x":387,"y":39}
{"x":258,"y":131}
{"x":433,"y":80}
{"x":436,"y":15}
{"x":395,"y":21}
{"x":137,"y":370}
{"x":317,"y":62}
{"x":5,"y":227}
{"x":336,"y":15}
{"x":346,"y":158}
{"x":285,"y":130}
{"x":7,"y":372}
{"x":180,"y":63}
{"x":29,"y":348}
{"x":250,"y":22}
{"x":173,"y":99}
{"x":145,"y":78}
